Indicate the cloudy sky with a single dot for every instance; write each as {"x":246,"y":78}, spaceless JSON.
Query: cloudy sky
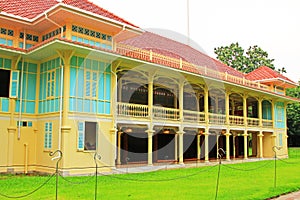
{"x":274,"y":25}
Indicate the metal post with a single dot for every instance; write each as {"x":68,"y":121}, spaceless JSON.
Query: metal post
{"x":96,"y":157}
{"x":59,"y":157}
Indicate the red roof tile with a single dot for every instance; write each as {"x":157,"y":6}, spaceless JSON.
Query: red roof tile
{"x":32,"y":8}
{"x":264,"y":73}
{"x":174,"y":49}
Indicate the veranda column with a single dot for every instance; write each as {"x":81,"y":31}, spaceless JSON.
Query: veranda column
{"x":198,"y":147}
{"x":63,"y":139}
{"x":113,"y":133}
{"x":150,"y":98}
{"x":150,"y":131}
{"x":119,"y":147}
{"x":260,"y":112}
{"x":206,"y":135}
{"x":227,"y":134}
{"x":245,"y":110}
{"x":206,"y":106}
{"x":227,"y":107}
{"x":12,"y":130}
{"x":260,"y":136}
{"x":245,"y":145}
{"x":180,"y":134}
{"x":113,"y":107}
{"x":150,"y":142}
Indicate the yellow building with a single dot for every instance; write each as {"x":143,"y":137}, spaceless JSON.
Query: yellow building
{"x":77,"y":78}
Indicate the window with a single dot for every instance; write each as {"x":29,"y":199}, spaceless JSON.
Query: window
{"x":48,"y":135}
{"x":4,"y":82}
{"x":87,"y":132}
{"x":50,"y":83}
{"x":91,"y":83}
{"x":9,"y":81}
{"x":24,"y":123}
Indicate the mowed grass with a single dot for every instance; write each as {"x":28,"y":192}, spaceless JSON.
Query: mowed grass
{"x":249,"y":180}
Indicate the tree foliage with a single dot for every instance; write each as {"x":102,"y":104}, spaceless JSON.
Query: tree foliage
{"x":293,"y":112}
{"x":236,"y":57}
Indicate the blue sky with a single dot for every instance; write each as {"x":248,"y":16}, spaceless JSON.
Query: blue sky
{"x":274,"y":25}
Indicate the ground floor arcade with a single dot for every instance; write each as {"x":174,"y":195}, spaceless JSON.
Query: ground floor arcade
{"x":138,"y":144}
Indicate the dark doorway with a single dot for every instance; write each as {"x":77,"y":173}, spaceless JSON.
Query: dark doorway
{"x":163,"y":147}
{"x":239,"y":146}
{"x":134,"y":147}
{"x":212,"y":146}
{"x":190,"y":146}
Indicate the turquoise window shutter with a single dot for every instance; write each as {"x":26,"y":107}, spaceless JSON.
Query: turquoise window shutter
{"x":14,"y":84}
{"x":81,"y":128}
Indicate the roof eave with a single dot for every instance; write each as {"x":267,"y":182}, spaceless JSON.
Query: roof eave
{"x":24,"y":19}
{"x":278,"y":79}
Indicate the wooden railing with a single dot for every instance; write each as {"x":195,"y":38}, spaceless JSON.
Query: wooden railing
{"x":236,"y":120}
{"x":193,"y":116}
{"x":253,"y":122}
{"x":267,"y":123}
{"x":218,"y":119}
{"x":178,"y":63}
{"x":165,"y":113}
{"x":132,"y":110}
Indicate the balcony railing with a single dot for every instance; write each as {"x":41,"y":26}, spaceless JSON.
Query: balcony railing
{"x":253,"y":122}
{"x":165,"y":113}
{"x":178,"y":63}
{"x":218,"y":119}
{"x":267,"y":123}
{"x":193,"y":116}
{"x":236,"y":120}
{"x":132,"y":110}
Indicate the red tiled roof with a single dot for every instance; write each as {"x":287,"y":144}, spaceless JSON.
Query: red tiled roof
{"x":174,"y":49}
{"x":32,"y":8}
{"x":264,"y":73}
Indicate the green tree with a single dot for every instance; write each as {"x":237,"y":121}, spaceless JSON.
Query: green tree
{"x":236,"y":57}
{"x":293,"y":112}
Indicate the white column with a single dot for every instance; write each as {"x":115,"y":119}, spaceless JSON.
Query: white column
{"x":150,"y":136}
{"x":180,"y":134}
{"x":119,"y":147}
{"x":245,"y":145}
{"x":198,"y":147}
{"x":206,"y":134}
{"x":227,"y":145}
{"x":260,"y":135}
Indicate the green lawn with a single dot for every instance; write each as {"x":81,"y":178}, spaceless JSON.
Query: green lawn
{"x":254,"y":180}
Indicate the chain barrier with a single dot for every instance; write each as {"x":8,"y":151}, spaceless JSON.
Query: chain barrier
{"x":58,"y":156}
{"x":251,"y":169}
{"x":30,"y":193}
{"x":206,"y":169}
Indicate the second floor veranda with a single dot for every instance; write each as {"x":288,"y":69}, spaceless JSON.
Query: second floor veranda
{"x":166,"y":99}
